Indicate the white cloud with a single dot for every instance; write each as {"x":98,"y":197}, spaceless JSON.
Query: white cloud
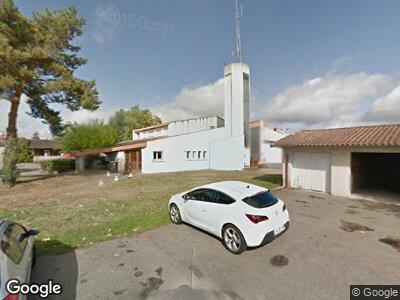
{"x":330,"y":101}
{"x":386,"y":108}
{"x":194,"y":101}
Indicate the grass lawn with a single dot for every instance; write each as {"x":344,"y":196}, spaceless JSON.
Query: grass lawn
{"x":74,"y":210}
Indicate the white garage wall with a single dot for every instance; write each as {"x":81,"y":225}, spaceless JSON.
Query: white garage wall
{"x":341,"y":174}
{"x":222,"y":153}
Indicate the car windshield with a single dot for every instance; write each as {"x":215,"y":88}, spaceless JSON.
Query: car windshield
{"x":261,"y":200}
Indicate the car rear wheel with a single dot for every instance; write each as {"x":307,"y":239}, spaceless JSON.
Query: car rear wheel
{"x":233,"y":239}
{"x":175,"y":214}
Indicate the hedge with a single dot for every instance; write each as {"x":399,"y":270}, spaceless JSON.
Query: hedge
{"x":59,"y":165}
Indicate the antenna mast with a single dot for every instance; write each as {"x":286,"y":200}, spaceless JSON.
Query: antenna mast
{"x":238,"y":16}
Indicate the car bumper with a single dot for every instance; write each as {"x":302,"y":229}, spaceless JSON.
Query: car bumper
{"x":262,"y":233}
{"x":270,"y":236}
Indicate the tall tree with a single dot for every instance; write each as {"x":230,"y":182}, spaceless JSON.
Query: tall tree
{"x":35,"y":135}
{"x":38,"y":60}
{"x":134,"y":118}
{"x":81,"y":137}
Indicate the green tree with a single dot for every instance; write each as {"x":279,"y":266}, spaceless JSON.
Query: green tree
{"x":35,"y":135}
{"x":134,"y":118}
{"x":81,"y":137}
{"x":38,"y":60}
{"x":24,"y":153}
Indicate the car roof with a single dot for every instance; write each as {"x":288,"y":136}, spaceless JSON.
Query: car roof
{"x":236,"y":189}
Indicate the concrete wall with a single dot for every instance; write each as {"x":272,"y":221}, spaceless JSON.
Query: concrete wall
{"x":255,"y":147}
{"x":181,"y":127}
{"x":222,"y":152}
{"x":341,"y":174}
{"x":269,"y":154}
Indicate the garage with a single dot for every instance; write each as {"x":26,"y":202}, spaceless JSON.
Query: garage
{"x":375,"y":173}
{"x":361,"y":161}
{"x":311,"y":171}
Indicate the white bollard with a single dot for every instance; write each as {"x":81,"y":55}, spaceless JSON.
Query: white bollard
{"x":108,"y":174}
{"x":130,"y":175}
{"x":116,"y":178}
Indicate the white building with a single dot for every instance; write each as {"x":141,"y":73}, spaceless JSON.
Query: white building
{"x":263,"y":135}
{"x":194,"y":144}
{"x":350,"y":161}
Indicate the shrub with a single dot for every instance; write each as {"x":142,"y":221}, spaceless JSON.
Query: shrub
{"x":10,"y":173}
{"x":59,"y":165}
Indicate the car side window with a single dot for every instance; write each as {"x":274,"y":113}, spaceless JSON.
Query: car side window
{"x":221,"y":198}
{"x":13,"y":242}
{"x":205,"y":195}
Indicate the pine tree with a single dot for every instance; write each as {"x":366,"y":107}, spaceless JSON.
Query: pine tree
{"x":38,"y":59}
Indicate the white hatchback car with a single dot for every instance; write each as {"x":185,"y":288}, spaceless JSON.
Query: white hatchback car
{"x":241,"y":214}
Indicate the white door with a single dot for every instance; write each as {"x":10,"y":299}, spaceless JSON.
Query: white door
{"x":311,"y":171}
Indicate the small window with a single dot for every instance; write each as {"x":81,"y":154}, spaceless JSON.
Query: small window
{"x":193,"y":154}
{"x":13,"y":242}
{"x":157,"y":155}
{"x":204,"y":154}
{"x":187,"y":154}
{"x":198,"y":154}
{"x":221,"y":198}
{"x":261,"y":200}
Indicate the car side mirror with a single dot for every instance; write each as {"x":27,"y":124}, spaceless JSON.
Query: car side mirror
{"x":186,"y":197}
{"x":30,"y":232}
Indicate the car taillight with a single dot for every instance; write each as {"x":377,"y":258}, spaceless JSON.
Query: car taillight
{"x":11,"y":297}
{"x":256,"y":219}
{"x":284,"y":207}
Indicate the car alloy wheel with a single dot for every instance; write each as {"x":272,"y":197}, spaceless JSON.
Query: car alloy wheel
{"x":175,"y":214}
{"x":233,"y":239}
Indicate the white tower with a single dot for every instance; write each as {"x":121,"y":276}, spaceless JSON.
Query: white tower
{"x":237,"y":92}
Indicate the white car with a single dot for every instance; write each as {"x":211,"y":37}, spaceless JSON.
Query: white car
{"x":17,"y":255}
{"x":241,"y":214}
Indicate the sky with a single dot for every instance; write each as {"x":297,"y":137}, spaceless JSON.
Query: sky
{"x":313,"y":64}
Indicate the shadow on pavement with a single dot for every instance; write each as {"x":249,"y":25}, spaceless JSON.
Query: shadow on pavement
{"x":61,"y":269}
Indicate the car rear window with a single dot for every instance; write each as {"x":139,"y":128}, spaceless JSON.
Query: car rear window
{"x":261,"y":200}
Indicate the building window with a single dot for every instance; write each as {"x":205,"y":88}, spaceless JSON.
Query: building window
{"x":187,"y":154}
{"x":204,"y":154}
{"x":193,"y":154}
{"x":157,"y":155}
{"x":198,"y":154}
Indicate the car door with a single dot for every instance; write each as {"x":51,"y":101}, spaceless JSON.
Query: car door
{"x":197,"y":207}
{"x":220,"y":212}
{"x":18,"y":252}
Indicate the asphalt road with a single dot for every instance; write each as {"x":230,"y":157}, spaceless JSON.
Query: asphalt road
{"x":181,"y":262}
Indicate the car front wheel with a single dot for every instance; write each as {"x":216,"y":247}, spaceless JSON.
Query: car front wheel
{"x":175,"y":214}
{"x":233,"y":239}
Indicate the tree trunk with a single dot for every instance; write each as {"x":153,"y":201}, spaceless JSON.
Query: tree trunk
{"x":12,"y":116}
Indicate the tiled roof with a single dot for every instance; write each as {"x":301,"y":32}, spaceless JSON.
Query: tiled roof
{"x":123,"y":146}
{"x":372,"y":136}
{"x":42,"y":144}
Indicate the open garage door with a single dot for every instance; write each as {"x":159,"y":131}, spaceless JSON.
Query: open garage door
{"x":376,"y":175}
{"x":311,"y":171}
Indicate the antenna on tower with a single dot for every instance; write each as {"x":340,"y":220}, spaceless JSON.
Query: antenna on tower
{"x":238,"y":16}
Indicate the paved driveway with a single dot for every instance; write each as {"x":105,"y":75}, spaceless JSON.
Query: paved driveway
{"x":181,"y":262}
